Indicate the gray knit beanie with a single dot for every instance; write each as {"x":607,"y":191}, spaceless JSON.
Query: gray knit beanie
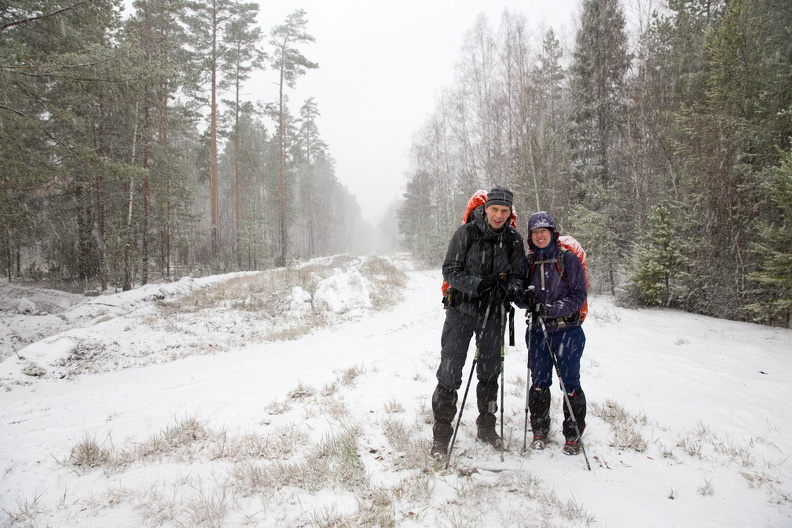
{"x":500,"y":196}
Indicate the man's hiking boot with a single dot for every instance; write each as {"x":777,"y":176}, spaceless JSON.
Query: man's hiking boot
{"x":487,"y":401}
{"x":539,"y":442}
{"x":444,"y":409}
{"x":489,"y":436}
{"x":439,"y":448}
{"x":572,"y":446}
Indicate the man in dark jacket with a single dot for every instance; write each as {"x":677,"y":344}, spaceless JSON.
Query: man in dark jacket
{"x":483,"y":267}
{"x":556,"y":292}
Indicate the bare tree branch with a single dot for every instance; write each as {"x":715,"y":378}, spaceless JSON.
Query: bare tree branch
{"x":42,"y":16}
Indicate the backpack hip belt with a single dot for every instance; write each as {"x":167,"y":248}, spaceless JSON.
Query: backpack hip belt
{"x":566,"y":320}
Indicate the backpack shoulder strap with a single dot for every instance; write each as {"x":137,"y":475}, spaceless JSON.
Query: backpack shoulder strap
{"x":558,"y":261}
{"x":562,"y":251}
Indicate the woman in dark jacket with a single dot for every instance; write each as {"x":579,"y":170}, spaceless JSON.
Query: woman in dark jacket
{"x":556,"y":291}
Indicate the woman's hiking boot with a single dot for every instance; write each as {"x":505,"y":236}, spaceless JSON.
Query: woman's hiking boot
{"x":539,"y":442}
{"x":572,"y":446}
{"x":539,"y":406}
{"x":575,"y":423}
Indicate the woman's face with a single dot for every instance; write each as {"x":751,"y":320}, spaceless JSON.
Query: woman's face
{"x":541,"y":237}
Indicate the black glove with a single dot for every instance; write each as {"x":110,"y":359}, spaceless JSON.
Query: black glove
{"x":540,"y":310}
{"x":529,"y":298}
{"x":487,"y":283}
{"x":533,"y":305}
{"x":512,"y":293}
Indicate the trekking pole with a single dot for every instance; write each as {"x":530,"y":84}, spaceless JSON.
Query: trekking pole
{"x":527,"y":380}
{"x":511,"y":326}
{"x":530,"y":296}
{"x":490,"y":302}
{"x":503,"y":375}
{"x":563,"y":389}
{"x":462,"y":408}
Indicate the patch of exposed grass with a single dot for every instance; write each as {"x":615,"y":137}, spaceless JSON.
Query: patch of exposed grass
{"x":406,"y":441}
{"x":301,"y":392}
{"x":25,"y":514}
{"x":626,"y":426}
{"x":332,"y":462}
{"x":348,"y":376}
{"x":386,"y":282}
{"x":88,"y":454}
{"x":394,"y":406}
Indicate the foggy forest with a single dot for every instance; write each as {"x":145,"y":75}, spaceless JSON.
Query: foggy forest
{"x":128,"y":153}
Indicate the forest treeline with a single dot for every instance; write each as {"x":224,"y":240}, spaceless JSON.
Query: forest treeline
{"x":665,"y":151}
{"x":128,"y":151}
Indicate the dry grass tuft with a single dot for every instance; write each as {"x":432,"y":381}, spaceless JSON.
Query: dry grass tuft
{"x":386,"y":282}
{"x":626,"y":427}
{"x":88,"y":454}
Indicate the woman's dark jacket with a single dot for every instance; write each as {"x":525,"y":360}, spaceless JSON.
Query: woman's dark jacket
{"x":563,"y":295}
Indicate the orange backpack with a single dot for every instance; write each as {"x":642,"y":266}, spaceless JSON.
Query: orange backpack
{"x":567,"y":243}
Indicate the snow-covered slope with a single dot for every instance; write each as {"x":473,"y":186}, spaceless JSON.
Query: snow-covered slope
{"x":150,"y":411}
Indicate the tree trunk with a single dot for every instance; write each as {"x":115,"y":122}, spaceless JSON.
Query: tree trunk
{"x":145,"y":231}
{"x":281,"y":257}
{"x":213,"y":191}
{"x":130,"y":200}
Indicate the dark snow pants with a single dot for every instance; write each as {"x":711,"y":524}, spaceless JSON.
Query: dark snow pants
{"x":568,"y":346}
{"x":455,"y":341}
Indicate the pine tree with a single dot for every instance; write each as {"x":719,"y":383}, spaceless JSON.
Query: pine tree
{"x":549,"y":161}
{"x":222,"y":45}
{"x":597,"y":95}
{"x":312,"y":150}
{"x":243,"y":57}
{"x":660,"y":262}
{"x":258,"y":160}
{"x":290,"y":64}
{"x":773,"y":293}
{"x":597,"y":79}
{"x":154,"y":27}
{"x":66,"y":82}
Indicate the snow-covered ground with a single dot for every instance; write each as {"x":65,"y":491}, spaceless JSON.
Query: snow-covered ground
{"x":301,"y":398}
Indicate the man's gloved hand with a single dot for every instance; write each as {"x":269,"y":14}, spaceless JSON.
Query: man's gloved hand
{"x":487,"y":283}
{"x":512,"y":293}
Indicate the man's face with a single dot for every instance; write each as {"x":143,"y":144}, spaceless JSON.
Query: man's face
{"x":497,"y":216}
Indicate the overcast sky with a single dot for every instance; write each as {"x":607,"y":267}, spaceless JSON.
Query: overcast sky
{"x":382,"y":65}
